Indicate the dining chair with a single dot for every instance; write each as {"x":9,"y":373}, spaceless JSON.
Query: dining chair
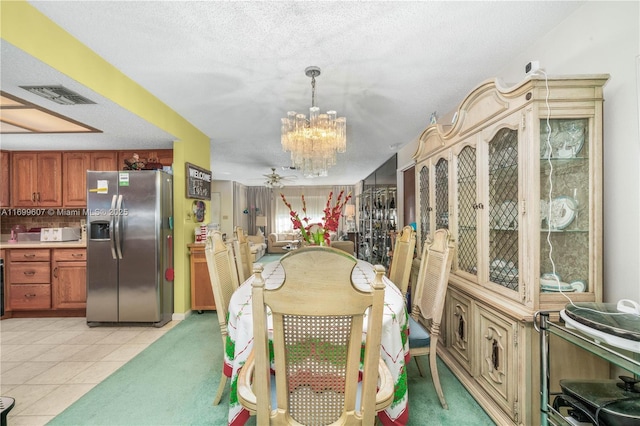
{"x":346,"y":246}
{"x":224,"y":281}
{"x":318,"y":317}
{"x":428,"y":303}
{"x":400,"y":269}
{"x":244,"y":260}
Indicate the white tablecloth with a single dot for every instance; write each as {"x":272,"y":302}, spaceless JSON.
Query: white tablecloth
{"x":394,"y":342}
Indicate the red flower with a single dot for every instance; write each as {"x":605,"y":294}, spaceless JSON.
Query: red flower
{"x":330,"y":220}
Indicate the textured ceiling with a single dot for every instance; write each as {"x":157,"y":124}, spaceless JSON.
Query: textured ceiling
{"x":233,"y":69}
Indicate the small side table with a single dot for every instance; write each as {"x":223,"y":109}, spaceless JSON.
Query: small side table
{"x":201,"y":291}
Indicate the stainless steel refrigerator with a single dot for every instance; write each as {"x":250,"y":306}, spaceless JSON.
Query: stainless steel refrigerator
{"x":129,"y":233}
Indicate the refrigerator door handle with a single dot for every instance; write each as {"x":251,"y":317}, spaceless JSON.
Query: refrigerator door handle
{"x":118,"y":219}
{"x":111,"y":226}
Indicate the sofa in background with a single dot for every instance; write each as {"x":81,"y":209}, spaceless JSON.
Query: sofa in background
{"x":276,"y":242}
{"x":257,"y":246}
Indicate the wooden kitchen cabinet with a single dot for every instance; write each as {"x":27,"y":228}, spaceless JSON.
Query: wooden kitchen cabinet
{"x":104,"y":161}
{"x":36,"y":179}
{"x":5,"y":179}
{"x":69,"y":278}
{"x":201,"y":291}
{"x":29,"y":279}
{"x":74,"y":178}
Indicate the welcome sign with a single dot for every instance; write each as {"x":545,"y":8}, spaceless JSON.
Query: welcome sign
{"x":198,"y":182}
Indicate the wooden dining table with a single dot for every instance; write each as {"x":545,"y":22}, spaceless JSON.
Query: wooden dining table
{"x":394,"y":347}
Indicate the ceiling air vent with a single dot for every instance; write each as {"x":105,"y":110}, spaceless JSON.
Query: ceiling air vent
{"x":58,"y":94}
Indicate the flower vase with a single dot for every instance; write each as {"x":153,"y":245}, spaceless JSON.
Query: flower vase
{"x":318,"y":238}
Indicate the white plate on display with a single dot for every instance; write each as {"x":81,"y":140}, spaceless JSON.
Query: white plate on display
{"x":561,"y":214}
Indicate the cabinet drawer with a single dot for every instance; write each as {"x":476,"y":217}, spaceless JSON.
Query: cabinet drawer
{"x":30,"y":296}
{"x":29,"y":255}
{"x":30,"y":272}
{"x":70,"y":255}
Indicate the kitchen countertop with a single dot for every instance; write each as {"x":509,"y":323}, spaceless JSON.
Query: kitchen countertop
{"x":5,"y":245}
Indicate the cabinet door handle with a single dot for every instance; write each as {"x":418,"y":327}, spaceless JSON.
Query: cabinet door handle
{"x":38,"y":197}
{"x":30,"y":273}
{"x":55,"y":272}
{"x":30,"y":295}
{"x":29,"y":255}
{"x":80,"y":255}
{"x":33,"y":196}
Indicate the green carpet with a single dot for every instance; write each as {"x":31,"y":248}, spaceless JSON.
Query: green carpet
{"x":174,"y":380}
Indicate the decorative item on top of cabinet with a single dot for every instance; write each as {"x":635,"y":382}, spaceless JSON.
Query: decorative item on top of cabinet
{"x":201,"y":291}
{"x":36,"y":179}
{"x":161,"y":156}
{"x":520,"y":166}
{"x":5,"y":179}
{"x":69,"y":279}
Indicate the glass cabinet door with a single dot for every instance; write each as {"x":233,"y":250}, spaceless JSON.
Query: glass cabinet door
{"x":564,"y":212}
{"x":503,"y":209}
{"x":442,"y":193}
{"x":425,"y":205}
{"x":467,"y":208}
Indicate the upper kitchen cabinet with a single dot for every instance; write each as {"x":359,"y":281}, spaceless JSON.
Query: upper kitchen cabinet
{"x":5,"y":178}
{"x":76,"y":164}
{"x":74,"y":180}
{"x":104,"y":161}
{"x":36,"y":179}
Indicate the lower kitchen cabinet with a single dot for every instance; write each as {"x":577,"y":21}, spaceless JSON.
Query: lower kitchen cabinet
{"x":45,"y":282}
{"x":69,"y":278}
{"x":201,"y":291}
{"x":29,"y":279}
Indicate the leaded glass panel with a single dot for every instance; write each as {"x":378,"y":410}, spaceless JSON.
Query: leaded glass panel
{"x":442,"y":194}
{"x":425,"y":207}
{"x":503,"y":209}
{"x":467,"y":207}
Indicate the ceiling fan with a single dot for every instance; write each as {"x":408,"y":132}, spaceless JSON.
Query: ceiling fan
{"x":274,"y":180}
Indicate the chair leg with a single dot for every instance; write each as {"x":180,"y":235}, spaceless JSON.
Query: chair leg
{"x":221,"y":386}
{"x":436,"y":379}
{"x":415,"y":358}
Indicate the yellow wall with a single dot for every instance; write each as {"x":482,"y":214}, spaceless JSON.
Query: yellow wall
{"x":26,"y":28}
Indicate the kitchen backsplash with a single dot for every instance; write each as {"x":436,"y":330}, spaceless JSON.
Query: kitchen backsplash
{"x":7,"y":222}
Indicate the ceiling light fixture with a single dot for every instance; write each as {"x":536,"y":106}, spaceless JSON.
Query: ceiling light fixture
{"x":274,"y":180}
{"x":313,"y":143}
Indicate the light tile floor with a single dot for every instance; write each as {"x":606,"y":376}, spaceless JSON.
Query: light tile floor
{"x":46,"y":364}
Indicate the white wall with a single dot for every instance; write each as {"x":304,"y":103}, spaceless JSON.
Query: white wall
{"x":225,"y":188}
{"x":601,"y":37}
{"x":604,"y":37}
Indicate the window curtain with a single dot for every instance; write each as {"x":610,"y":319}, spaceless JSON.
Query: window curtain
{"x":239,"y":206}
{"x":260,"y":205}
{"x":348,"y":189}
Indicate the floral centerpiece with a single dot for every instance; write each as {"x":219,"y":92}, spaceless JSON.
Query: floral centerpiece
{"x":317,"y":233}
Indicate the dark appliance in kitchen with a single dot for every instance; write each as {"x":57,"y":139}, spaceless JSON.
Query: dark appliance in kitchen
{"x":129,"y":226}
{"x":604,"y":402}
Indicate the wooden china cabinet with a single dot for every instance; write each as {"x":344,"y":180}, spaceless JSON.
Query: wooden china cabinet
{"x":518,"y":171}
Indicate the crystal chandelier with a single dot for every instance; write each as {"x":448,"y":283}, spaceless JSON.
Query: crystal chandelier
{"x":313,"y":143}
